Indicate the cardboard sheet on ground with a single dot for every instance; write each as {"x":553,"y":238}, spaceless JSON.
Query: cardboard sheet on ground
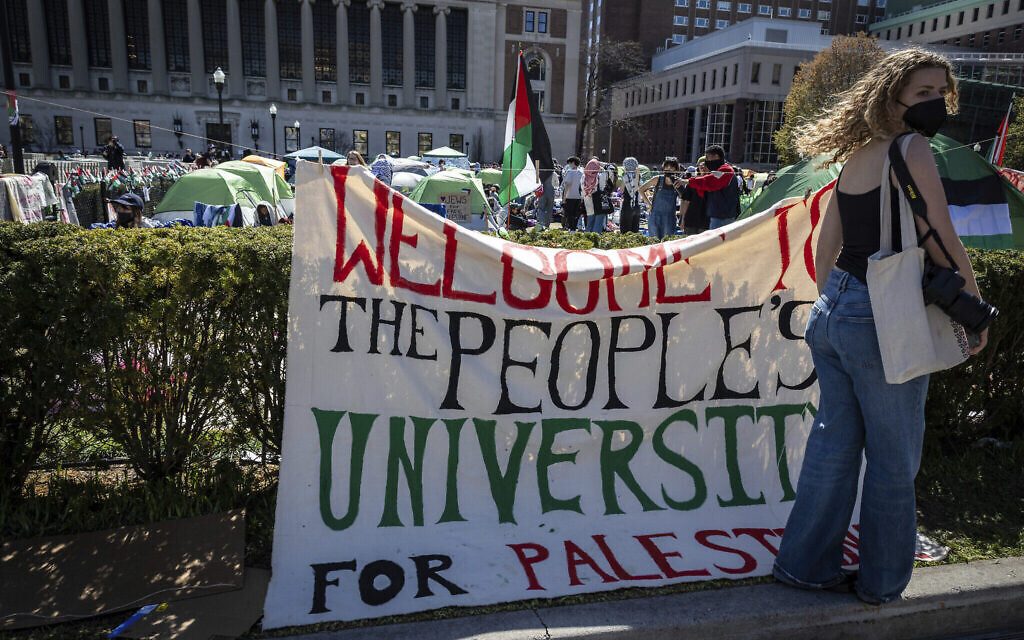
{"x":63,"y":578}
{"x":223,"y":615}
{"x":471,"y":421}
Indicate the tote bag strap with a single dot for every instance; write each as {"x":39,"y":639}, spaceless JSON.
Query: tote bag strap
{"x":885,"y":211}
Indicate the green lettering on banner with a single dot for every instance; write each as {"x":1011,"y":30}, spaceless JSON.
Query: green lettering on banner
{"x":398,"y":459}
{"x":700,"y":487}
{"x":731,"y":415}
{"x":451,"y":497}
{"x":503,"y":485}
{"x":327,"y":426}
{"x":550,"y":428}
{"x":616,"y":463}
{"x":778,"y":414}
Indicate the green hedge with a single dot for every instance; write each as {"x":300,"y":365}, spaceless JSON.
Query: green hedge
{"x":162,"y":341}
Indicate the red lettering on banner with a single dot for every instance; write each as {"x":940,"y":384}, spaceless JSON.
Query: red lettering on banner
{"x":645,"y":293}
{"x":397,"y":240}
{"x":761,"y":535}
{"x":661,"y":297}
{"x":543,"y":295}
{"x":613,"y":562}
{"x":362,"y":253}
{"x":540,"y":554}
{"x":575,"y":557}
{"x":782,"y":216}
{"x":661,"y":557}
{"x":815,"y":218}
{"x":749,"y":562}
{"x":448,"y":289}
{"x":562,"y":293}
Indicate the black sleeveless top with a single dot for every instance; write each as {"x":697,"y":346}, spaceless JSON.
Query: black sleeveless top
{"x":861,"y":222}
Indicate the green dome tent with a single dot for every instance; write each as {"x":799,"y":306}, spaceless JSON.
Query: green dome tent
{"x":209,"y":186}
{"x":429,"y":189}
{"x":792,"y":182}
{"x":265,"y":180}
{"x":490,"y":176}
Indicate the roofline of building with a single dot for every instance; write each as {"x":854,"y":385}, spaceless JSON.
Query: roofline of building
{"x":924,"y":13}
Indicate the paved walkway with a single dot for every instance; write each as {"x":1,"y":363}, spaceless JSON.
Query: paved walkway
{"x":941,"y":602}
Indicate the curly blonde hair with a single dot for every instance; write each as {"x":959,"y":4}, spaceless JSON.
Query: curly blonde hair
{"x":867,"y":109}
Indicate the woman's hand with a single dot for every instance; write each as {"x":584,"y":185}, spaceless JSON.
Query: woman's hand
{"x":982,"y":341}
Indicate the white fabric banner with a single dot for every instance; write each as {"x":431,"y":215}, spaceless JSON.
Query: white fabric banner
{"x":472,"y":421}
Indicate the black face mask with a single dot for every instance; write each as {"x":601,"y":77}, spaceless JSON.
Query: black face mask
{"x":926,"y":117}
{"x":714,"y":165}
{"x":125,"y":218}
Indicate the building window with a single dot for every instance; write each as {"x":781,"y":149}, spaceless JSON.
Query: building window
{"x":542,"y":22}
{"x":64,"y":130}
{"x":293,"y":95}
{"x":785,"y":12}
{"x":424,"y":142}
{"x":142,"y":86}
{"x":1018,"y":31}
{"x":28,"y":128}
{"x":291,"y":139}
{"x":326,"y":97}
{"x":714,"y":78}
{"x":58,"y":35}
{"x":744,"y":7}
{"x":723,"y":5}
{"x":910,"y":30}
{"x":457,"y":103}
{"x":985,"y":40}
{"x":457,"y":35}
{"x":176,"y":35}
{"x":735,"y":73}
{"x":424,"y":31}
{"x":719,"y":124}
{"x":861,"y":19}
{"x":1001,"y":36}
{"x":701,"y":22}
{"x":764,"y":10}
{"x":703,"y":4}
{"x":529,"y":21}
{"x":289,"y":39}
{"x":424,"y":102}
{"x":680,"y":21}
{"x":805,"y":14}
{"x":97,"y":32}
{"x":960,"y":18}
{"x":899,"y":32}
{"x":990,"y":10}
{"x":824,"y":15}
{"x":325,"y":42}
{"x":935,"y":24}
{"x":683,"y":3}
{"x":392,"y":100}
{"x":1006,"y":7}
{"x":143,"y":134}
{"x":455,"y":141}
{"x":359,"y":43}
{"x":721,"y":24}
{"x":703,"y":81}
{"x":103,"y":84}
{"x":974,"y":14}
{"x":136,"y":35}
{"x":776,"y":73}
{"x":21,"y":44}
{"x":254,"y":39}
{"x":863,"y":3}
{"x":763,"y":119}
{"x":391,"y":43}
{"x":360,"y":141}
{"x":678,"y":38}
{"x":214,"y":14}
{"x":327,"y":139}
{"x":393,"y":143}
{"x":360,"y":98}
{"x":64,"y":81}
{"x":755,"y":72}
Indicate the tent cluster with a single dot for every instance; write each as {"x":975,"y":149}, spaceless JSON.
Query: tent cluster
{"x":244,"y":182}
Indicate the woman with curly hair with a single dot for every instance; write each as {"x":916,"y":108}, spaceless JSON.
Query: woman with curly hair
{"x":860,"y":415}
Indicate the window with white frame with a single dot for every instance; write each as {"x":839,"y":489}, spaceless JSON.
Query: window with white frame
{"x":680,"y":21}
{"x":764,"y":10}
{"x":724,"y":6}
{"x":805,"y":14}
{"x":824,"y":15}
{"x":536,"y":21}
{"x":744,"y":7}
{"x":701,"y":22}
{"x":721,"y":24}
{"x":863,"y":3}
{"x":678,"y":38}
{"x":682,"y":3}
{"x":785,"y":12}
{"x":703,"y":4}
{"x":861,"y":19}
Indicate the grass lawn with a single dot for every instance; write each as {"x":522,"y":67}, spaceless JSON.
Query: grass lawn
{"x":971,"y":500}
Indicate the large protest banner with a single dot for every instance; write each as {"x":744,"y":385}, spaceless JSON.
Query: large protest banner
{"x":472,"y":421}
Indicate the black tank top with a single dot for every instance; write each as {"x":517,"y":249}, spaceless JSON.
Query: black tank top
{"x":860,"y":217}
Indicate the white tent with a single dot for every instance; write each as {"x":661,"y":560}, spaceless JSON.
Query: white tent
{"x":444,"y":152}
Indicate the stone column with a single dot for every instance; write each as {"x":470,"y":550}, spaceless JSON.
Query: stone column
{"x":79,"y":46}
{"x":308,"y":63}
{"x":408,"y":54}
{"x":441,"y":58}
{"x":118,"y":47}
{"x":341,"y":22}
{"x":499,"y":59}
{"x":40,"y":45}
{"x":572,"y":61}
{"x":273,"y":55}
{"x":157,"y":47}
{"x":376,"y":54}
{"x":236,"y":69}
{"x":196,"y":50}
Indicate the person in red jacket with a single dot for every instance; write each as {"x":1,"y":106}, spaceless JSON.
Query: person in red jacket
{"x":718,"y":187}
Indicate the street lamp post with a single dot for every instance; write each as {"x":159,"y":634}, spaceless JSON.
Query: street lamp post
{"x":298,"y":135}
{"x":273,"y":125}
{"x":81,"y":131}
{"x":218,"y":81}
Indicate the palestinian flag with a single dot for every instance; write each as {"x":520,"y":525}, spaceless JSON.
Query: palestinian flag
{"x":519,"y":175}
{"x":12,"y":109}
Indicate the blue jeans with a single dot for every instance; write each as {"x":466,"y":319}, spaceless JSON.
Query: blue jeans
{"x":860,"y":415}
{"x":597,"y":222}
{"x":661,"y":223}
{"x":714,"y":223}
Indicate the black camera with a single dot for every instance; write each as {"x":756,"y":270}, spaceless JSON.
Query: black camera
{"x":943,"y":287}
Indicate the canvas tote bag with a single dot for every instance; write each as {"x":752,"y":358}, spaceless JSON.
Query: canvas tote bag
{"x":914,"y":338}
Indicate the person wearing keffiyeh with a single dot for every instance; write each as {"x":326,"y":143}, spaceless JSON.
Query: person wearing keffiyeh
{"x":381,"y":169}
{"x":629,"y":214}
{"x":590,"y":180}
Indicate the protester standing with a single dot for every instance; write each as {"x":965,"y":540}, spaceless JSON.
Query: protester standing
{"x":629,"y":213}
{"x":602,"y":199}
{"x":114,"y":154}
{"x":719,"y":188}
{"x":572,"y":193}
{"x":860,"y":414}
{"x":590,"y":183}
{"x":189,"y":157}
{"x":664,"y":203}
{"x":693,"y":212}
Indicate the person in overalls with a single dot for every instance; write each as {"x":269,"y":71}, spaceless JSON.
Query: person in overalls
{"x":663,"y":205}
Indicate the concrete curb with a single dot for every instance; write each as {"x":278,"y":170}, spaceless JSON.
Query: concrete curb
{"x":941,"y":601}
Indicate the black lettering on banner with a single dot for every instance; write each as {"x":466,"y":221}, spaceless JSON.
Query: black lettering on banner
{"x":617,"y":322}
{"x":722,"y":392}
{"x":369,"y":592}
{"x":505,"y":404}
{"x":417,"y":330}
{"x":425,"y":573}
{"x":556,"y":359}
{"x":320,"y":582}
{"x":342,"y":346}
{"x":664,"y":400}
{"x":451,"y":397}
{"x":376,"y":320}
{"x":786,"y":329}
